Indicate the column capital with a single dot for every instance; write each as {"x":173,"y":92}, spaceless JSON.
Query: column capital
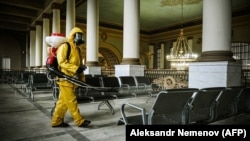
{"x":39,"y":23}
{"x":32,"y":28}
{"x":46,"y":15}
{"x":56,"y":6}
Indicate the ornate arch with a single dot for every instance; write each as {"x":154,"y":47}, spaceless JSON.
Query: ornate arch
{"x":109,"y":55}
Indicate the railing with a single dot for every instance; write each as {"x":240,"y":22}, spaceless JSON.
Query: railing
{"x":165,"y":78}
{"x":159,"y":73}
{"x":180,"y":76}
{"x":168,"y":78}
{"x":156,"y":73}
{"x":108,"y":72}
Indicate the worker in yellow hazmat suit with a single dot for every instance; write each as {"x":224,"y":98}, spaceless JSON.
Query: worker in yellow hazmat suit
{"x":71,"y":66}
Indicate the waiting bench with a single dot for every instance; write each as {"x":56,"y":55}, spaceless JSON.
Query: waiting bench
{"x":168,"y":108}
{"x":38,"y":82}
{"x":202,"y":106}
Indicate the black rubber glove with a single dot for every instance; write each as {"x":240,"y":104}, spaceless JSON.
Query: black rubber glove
{"x":84,"y":67}
{"x":81,"y":69}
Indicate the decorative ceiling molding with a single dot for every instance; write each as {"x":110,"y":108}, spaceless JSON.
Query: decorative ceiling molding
{"x":178,"y":2}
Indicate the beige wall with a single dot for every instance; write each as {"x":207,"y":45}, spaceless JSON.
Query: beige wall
{"x":241,"y":29}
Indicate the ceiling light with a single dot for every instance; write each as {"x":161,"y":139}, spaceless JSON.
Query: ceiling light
{"x":181,"y":53}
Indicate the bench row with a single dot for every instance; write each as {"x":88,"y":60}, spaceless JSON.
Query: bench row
{"x":109,"y":88}
{"x":190,"y":106}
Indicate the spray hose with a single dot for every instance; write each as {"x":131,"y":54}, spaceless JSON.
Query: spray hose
{"x":80,"y":83}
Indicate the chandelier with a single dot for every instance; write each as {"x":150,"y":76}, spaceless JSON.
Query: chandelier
{"x":181,"y":53}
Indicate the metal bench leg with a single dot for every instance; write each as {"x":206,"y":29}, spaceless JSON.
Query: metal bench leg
{"x":32,"y":95}
{"x":106,"y":102}
{"x":120,"y":121}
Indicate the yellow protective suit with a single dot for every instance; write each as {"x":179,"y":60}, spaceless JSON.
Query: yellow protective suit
{"x":67,"y":98}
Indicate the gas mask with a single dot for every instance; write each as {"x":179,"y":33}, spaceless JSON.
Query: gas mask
{"x":78,"y":38}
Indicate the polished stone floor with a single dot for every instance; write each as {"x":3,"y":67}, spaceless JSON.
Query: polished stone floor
{"x":24,"y":120}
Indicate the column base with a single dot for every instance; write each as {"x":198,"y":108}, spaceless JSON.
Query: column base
{"x":129,"y":70}
{"x":93,"y":70}
{"x":92,"y":63}
{"x":214,"y":74}
{"x":130,"y":61}
{"x":211,"y":56}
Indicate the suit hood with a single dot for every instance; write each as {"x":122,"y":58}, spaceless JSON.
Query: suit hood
{"x":73,"y":32}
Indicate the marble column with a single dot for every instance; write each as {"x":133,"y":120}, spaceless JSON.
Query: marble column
{"x":38,"y":50}
{"x":27,"y":52}
{"x":92,"y":38}
{"x":151,"y":56}
{"x":56,"y":22}
{"x":70,"y":16}
{"x":131,"y":32}
{"x":32,"y":46}
{"x":130,"y":64}
{"x":46,"y":32}
{"x":216,"y":31}
{"x":215,"y":66}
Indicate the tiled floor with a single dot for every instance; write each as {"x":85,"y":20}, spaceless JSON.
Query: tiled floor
{"x":24,"y":120}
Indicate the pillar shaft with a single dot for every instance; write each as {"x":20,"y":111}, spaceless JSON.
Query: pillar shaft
{"x":92,"y":43}
{"x":56,"y":22}
{"x":32,"y":47}
{"x":215,"y":67}
{"x":70,"y":16}
{"x":216,"y":31}
{"x":131,"y":32}
{"x":38,"y":50}
{"x":130,"y":65}
{"x":46,"y":32}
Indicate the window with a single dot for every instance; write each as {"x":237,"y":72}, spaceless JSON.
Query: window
{"x":241,"y":52}
{"x":6,"y":62}
{"x":158,"y":58}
